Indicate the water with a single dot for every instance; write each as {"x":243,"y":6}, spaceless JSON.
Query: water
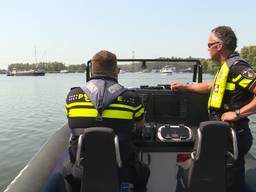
{"x":32,"y":108}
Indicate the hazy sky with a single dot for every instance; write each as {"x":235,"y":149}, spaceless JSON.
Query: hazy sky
{"x":71,"y":31}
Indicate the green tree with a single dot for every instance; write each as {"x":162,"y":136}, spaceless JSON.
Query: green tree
{"x":76,"y":68}
{"x":249,"y":54}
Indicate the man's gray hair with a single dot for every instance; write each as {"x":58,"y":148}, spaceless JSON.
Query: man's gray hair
{"x":227,"y":37}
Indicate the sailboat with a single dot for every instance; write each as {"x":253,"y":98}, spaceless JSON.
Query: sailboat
{"x":32,"y":72}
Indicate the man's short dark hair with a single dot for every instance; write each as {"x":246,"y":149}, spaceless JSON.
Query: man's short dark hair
{"x":103,"y":62}
{"x":227,"y":36}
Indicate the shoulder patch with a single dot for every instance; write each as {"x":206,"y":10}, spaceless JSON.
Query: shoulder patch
{"x":248,"y":73}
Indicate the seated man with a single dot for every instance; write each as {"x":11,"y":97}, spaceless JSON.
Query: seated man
{"x":102,"y":102}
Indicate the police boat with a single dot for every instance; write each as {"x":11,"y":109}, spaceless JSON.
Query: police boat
{"x":184,"y":151}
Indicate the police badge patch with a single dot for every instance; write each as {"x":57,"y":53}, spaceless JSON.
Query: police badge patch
{"x":248,"y":73}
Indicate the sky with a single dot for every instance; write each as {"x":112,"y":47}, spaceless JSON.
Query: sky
{"x":72,"y":31}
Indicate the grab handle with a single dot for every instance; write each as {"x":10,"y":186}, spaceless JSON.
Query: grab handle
{"x":78,"y":151}
{"x":234,"y":155}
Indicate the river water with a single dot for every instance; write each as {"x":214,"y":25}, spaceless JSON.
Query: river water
{"x":32,"y":109}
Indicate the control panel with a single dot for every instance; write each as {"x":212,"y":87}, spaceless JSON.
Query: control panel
{"x":165,"y":133}
{"x":170,"y":117}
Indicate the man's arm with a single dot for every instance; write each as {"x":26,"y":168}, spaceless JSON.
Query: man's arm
{"x":248,"y":109}
{"x":139,"y":113}
{"x":245,"y":111}
{"x":139,"y":124}
{"x":247,"y":81}
{"x":196,"y":87}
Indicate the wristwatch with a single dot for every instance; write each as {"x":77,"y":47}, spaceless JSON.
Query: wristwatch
{"x":237,"y":111}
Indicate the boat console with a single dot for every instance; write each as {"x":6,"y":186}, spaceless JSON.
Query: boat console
{"x":171,"y":118}
{"x":171,"y":121}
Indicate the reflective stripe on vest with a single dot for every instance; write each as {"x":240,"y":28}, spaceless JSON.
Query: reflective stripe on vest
{"x":230,"y":86}
{"x":99,"y":95}
{"x":140,"y":112}
{"x":107,"y":113}
{"x":120,"y":111}
{"x":221,"y":84}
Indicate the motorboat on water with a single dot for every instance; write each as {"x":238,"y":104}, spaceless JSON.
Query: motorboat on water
{"x":167,"y":69}
{"x":187,"y":70}
{"x":64,"y":71}
{"x":176,"y":133}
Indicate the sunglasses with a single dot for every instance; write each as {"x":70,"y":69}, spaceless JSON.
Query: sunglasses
{"x":211,"y":44}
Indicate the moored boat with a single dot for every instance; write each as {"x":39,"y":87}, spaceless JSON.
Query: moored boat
{"x":167,"y":69}
{"x":32,"y":72}
{"x":64,"y":71}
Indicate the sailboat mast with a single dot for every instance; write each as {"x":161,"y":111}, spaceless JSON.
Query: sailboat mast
{"x":36,"y":58}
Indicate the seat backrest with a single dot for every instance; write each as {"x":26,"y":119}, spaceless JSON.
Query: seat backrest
{"x":100,"y":160}
{"x":208,"y":171}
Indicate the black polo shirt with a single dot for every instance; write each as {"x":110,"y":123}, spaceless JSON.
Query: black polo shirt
{"x":244,"y":78}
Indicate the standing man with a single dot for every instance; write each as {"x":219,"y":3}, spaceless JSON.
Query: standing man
{"x":103,"y":102}
{"x":231,"y":95}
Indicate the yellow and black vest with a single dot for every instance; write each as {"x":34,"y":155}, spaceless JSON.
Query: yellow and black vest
{"x":102,"y":102}
{"x":102,"y":93}
{"x":221,"y":83}
{"x":102,"y":99}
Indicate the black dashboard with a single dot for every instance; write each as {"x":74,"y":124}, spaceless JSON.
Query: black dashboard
{"x":171,"y":118}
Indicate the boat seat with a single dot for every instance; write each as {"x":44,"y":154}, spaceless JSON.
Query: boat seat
{"x":100,"y":160}
{"x":207,"y":167}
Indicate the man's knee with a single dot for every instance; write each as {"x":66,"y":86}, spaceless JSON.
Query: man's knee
{"x":236,"y":176}
{"x":55,"y":183}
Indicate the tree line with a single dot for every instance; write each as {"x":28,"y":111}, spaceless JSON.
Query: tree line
{"x":248,"y":53}
{"x":48,"y":67}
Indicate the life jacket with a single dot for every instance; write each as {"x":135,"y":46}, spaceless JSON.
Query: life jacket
{"x":221,"y":83}
{"x":102,"y":92}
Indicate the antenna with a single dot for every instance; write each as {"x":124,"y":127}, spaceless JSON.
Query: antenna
{"x":133,"y":57}
{"x":35,"y":55}
{"x":44,"y":56}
